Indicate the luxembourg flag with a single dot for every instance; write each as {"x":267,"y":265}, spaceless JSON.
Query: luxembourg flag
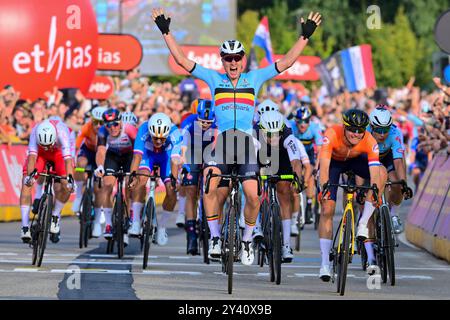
{"x":358,"y":68}
{"x":262,"y":38}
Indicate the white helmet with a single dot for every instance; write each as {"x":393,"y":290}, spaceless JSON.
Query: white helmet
{"x":380,"y":117}
{"x":231,"y":47}
{"x":159,"y":125}
{"x":271,"y":121}
{"x":46,"y":134}
{"x":97,"y":113}
{"x":129,"y":117}
{"x":267,"y":105}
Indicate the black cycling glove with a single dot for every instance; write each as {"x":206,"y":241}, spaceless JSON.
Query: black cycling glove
{"x":308,"y":28}
{"x":163,"y":23}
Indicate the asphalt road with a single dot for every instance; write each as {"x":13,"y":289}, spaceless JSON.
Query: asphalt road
{"x":72,"y":273}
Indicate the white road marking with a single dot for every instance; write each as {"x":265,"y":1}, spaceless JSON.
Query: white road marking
{"x":8,"y":254}
{"x":180,"y":264}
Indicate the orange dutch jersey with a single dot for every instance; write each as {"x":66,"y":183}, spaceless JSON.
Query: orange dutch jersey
{"x":88,"y":136}
{"x":334,"y":147}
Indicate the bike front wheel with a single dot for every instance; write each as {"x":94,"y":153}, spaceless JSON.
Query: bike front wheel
{"x":344,"y":254}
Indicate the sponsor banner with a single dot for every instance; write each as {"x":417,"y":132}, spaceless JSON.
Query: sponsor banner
{"x":47,"y":43}
{"x":302,"y":69}
{"x":11,"y":163}
{"x":118,"y":52}
{"x":207,"y":56}
{"x":203,"y":88}
{"x":431,"y":207}
{"x":101,"y":88}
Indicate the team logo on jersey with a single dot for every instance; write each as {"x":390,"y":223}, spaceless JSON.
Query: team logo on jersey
{"x":376,"y":148}
{"x":245,"y":83}
{"x":325,"y":140}
{"x":400,"y":150}
{"x":225,"y":81}
{"x":292,"y":145}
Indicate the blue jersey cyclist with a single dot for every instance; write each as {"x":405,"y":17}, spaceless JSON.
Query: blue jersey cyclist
{"x":157,"y":143}
{"x":309,"y":133}
{"x":234,"y":94}
{"x":392,"y":150}
{"x":199,"y":133}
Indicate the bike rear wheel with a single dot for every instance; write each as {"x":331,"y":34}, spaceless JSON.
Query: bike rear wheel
{"x":204,"y":231}
{"x":230,"y":246}
{"x":85,"y":218}
{"x":36,"y":228}
{"x":276,"y":241}
{"x":344,"y":254}
{"x":389,"y":245}
{"x":43,"y":234}
{"x":148,"y":229}
{"x":118,"y":225}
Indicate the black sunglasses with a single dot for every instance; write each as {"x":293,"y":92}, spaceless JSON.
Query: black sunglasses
{"x":231,"y":57}
{"x":355,"y":129}
{"x":112,"y":124}
{"x":381,"y":130}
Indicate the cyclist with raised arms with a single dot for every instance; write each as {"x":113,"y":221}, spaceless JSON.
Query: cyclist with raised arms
{"x":280,"y":153}
{"x":234,"y":94}
{"x":197,"y":135}
{"x":157,"y":143}
{"x":49,"y":142}
{"x":114,"y":150}
{"x":309,"y":134}
{"x":347,"y":147}
{"x":86,"y":143}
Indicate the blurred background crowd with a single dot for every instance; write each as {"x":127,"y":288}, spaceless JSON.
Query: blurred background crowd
{"x":420,"y":114}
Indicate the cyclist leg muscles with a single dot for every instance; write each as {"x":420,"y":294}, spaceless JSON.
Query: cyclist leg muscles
{"x":395,"y":191}
{"x":284,"y":195}
{"x":191,"y":200}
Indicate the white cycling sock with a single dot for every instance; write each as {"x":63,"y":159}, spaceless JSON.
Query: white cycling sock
{"x":98,"y":214}
{"x":164,"y":218}
{"x":108,"y":212}
{"x":286,"y":232}
{"x":369,"y":249}
{"x":248,"y":232}
{"x":325,"y":246}
{"x":392,"y":210}
{"x":214,"y":228}
{"x":39,"y":190}
{"x":25,"y":211}
{"x":136,"y":211}
{"x":367,"y":213}
{"x":79,"y":192}
{"x":57,"y":209}
{"x":294,"y":217}
{"x":181,"y":204}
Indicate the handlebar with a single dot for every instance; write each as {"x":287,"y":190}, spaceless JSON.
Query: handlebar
{"x":406,"y":191}
{"x":299,"y":185}
{"x":232,"y":177}
{"x":49,"y":175}
{"x":351,"y":188}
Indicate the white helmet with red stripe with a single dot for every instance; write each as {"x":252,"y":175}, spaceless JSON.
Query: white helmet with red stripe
{"x":46,"y":134}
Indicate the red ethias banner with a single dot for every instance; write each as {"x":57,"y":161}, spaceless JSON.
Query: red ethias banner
{"x":120,"y":52}
{"x":302,"y":69}
{"x":101,"y":88}
{"x":203,"y":88}
{"x":11,"y":163}
{"x":207,"y":56}
{"x":47,"y":43}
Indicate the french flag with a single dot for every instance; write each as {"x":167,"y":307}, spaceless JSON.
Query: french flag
{"x":358,"y":68}
{"x":262,"y":38}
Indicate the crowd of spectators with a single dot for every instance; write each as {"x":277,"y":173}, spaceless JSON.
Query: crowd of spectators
{"x":412,"y":109}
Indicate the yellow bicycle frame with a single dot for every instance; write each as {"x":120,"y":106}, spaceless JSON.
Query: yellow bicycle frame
{"x":348,"y":206}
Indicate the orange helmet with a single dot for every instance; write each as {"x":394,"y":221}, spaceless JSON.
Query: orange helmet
{"x":194,"y":105}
